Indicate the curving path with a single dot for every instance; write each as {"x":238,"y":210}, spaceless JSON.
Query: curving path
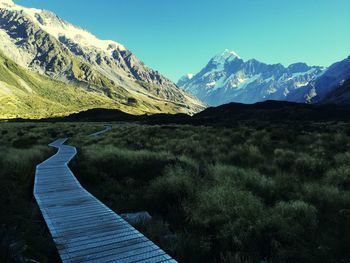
{"x":108,"y":128}
{"x":83,"y":228}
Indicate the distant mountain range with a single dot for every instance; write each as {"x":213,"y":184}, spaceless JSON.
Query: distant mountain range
{"x":49,"y":67}
{"x":228,"y":78}
{"x":45,"y":48}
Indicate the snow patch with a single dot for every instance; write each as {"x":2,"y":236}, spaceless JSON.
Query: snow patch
{"x":211,"y":84}
{"x":6,"y":2}
{"x":57,"y":27}
{"x":299,"y":84}
{"x":311,"y":95}
{"x":233,"y":53}
{"x":242,"y":83}
{"x":286,"y":92}
{"x":225,"y":56}
{"x":190,"y":76}
{"x":271,"y":90}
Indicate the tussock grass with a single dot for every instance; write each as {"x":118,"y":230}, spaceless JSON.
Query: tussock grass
{"x":254,"y":191}
{"x":217,"y":194}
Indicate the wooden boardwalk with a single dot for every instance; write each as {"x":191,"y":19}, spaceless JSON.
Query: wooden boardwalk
{"x":108,"y":128}
{"x":83,"y":228}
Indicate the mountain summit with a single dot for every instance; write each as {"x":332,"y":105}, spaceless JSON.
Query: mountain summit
{"x":7,"y":2}
{"x":226,"y":55}
{"x":228,"y":78}
{"x":40,"y":41}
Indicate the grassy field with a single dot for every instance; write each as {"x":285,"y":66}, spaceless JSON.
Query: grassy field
{"x":251,"y":191}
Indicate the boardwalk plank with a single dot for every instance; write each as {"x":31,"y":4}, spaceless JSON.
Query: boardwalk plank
{"x":83,"y":239}
{"x":120,"y":253}
{"x":103,"y":240}
{"x":83,"y":228}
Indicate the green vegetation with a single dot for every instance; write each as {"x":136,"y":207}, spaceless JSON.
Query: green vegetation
{"x":252,"y":191}
{"x":28,"y":95}
{"x":240,"y":194}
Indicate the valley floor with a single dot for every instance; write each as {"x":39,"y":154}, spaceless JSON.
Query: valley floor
{"x":240,"y":193}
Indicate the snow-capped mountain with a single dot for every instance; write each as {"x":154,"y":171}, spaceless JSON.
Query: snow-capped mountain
{"x":330,"y":87}
{"x":182,"y":81}
{"x":41,"y":41}
{"x":228,"y":78}
{"x":333,"y":78}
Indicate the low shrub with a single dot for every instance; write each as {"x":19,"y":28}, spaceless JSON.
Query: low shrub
{"x":291,"y":228}
{"x":284,"y":159}
{"x":25,"y":143}
{"x":119,"y":163}
{"x":246,"y":179}
{"x":307,"y":166}
{"x":233,"y":217}
{"x":339,"y":177}
{"x":246,"y":155}
{"x":170,"y":190}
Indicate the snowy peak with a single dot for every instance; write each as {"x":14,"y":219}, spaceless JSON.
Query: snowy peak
{"x":7,"y":2}
{"x":228,"y":78}
{"x":59,"y":28}
{"x":190,"y":76}
{"x":229,"y":53}
{"x":185,"y":79}
{"x":225,"y":56}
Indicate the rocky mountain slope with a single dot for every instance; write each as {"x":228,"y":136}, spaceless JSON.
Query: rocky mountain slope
{"x":340,"y":95}
{"x":27,"y":94}
{"x":40,"y":41}
{"x":330,"y":87}
{"x":228,"y":78}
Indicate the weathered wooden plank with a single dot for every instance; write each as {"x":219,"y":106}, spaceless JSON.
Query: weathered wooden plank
{"x":79,"y":217}
{"x":115,"y":238}
{"x":83,"y":228}
{"x":109,"y":247}
{"x":133,"y":255}
{"x":155,"y":259}
{"x":74,"y":241}
{"x":148,"y":257}
{"x":108,"y":128}
{"x":119,"y":253}
{"x":88,"y":221}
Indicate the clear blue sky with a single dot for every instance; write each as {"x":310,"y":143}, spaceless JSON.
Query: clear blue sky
{"x":180,"y":36}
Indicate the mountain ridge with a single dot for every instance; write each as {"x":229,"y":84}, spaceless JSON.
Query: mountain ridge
{"x":228,"y":78}
{"x":331,"y":81}
{"x":255,"y":81}
{"x":224,"y":115}
{"x":42,"y":42}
